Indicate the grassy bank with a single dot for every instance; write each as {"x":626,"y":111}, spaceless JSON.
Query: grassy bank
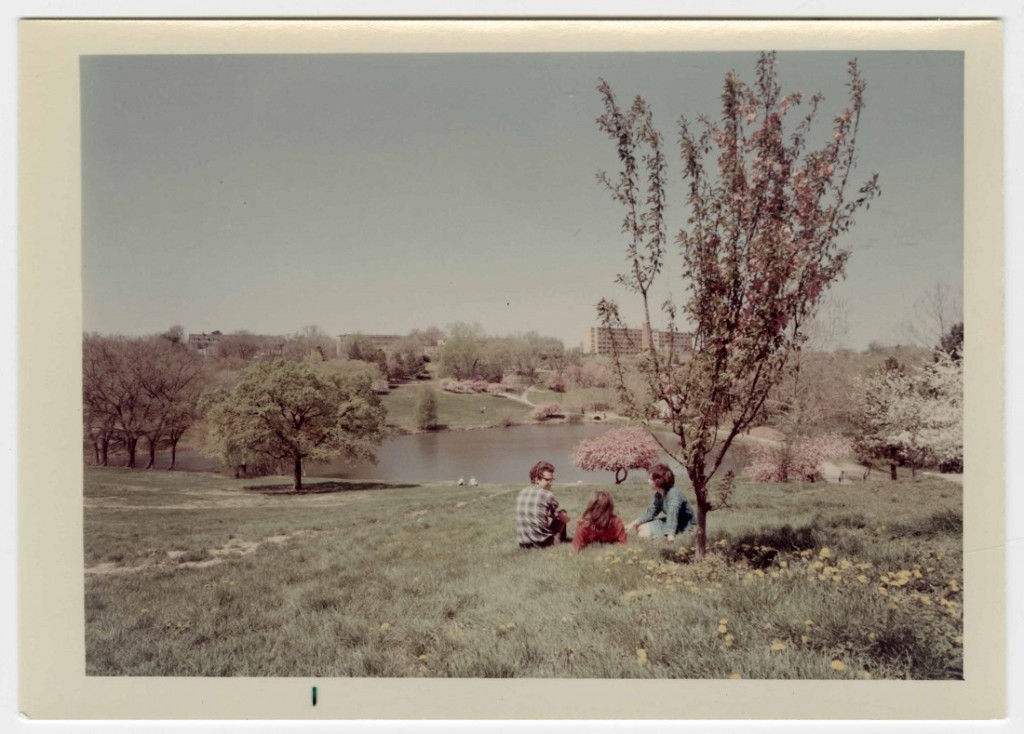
{"x":454,"y":411}
{"x":201,"y":575}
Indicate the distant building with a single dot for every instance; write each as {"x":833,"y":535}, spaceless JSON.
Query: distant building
{"x":384,"y":342}
{"x":630,"y":341}
{"x":254,"y":346}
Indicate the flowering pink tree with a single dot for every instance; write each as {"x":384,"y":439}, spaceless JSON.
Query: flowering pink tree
{"x":758,"y":252}
{"x":546,"y":410}
{"x":801,"y":459}
{"x":618,"y":451}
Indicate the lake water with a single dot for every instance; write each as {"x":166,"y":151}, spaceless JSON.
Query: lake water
{"x":492,"y":455}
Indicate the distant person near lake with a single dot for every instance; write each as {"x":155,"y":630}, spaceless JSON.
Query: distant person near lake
{"x":669,"y":513}
{"x":599,"y":523}
{"x":540,"y":521}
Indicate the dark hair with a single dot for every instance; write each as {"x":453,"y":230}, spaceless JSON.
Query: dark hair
{"x":662,"y":477}
{"x":539,"y":468}
{"x":600,"y":510}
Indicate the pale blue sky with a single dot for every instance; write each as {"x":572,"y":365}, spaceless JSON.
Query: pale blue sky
{"x":383,"y":193}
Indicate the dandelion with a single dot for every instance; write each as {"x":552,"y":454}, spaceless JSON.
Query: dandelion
{"x":959,"y":639}
{"x":804,"y":639}
{"x":423,"y":658}
{"x":728,"y":640}
{"x":825,"y":553}
{"x":385,"y":626}
{"x":954,"y":586}
{"x":808,"y":623}
{"x":862,"y":578}
{"x":722,"y":629}
{"x":778,"y":646}
{"x":872,"y":636}
{"x":837,"y":665}
{"x":641,"y":656}
{"x":735,"y":676}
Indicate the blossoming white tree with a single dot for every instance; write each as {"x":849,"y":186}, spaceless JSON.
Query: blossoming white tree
{"x":913,"y":418}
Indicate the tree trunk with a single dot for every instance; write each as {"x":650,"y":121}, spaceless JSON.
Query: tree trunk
{"x":130,"y":444}
{"x":621,"y":479}
{"x":892,"y":472}
{"x":105,"y":450}
{"x":96,"y":453}
{"x":297,"y":475}
{"x":174,"y":454}
{"x":702,"y":521}
{"x":152,"y":453}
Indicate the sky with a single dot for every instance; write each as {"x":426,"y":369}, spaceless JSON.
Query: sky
{"x":381,"y":193}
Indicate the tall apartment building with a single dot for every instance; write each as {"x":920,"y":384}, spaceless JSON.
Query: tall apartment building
{"x":629,"y":341}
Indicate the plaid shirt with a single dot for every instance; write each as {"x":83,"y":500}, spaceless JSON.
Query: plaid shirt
{"x":536,"y":508}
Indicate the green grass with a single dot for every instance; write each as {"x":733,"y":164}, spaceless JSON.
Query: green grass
{"x":454,"y":411}
{"x":203,"y":576}
{"x":574,"y":398}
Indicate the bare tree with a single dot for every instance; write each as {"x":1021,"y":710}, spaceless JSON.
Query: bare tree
{"x":933,"y":315}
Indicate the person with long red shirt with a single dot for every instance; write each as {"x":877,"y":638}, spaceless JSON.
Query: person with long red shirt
{"x":599,"y":523}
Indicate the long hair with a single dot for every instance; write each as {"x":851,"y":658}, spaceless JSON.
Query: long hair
{"x":600,"y":510}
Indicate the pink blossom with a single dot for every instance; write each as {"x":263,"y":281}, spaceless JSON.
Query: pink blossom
{"x":618,"y":450}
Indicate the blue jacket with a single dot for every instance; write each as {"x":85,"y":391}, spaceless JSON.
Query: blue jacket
{"x":678,"y":515}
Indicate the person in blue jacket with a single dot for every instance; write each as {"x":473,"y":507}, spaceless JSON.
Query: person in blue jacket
{"x":669,"y":513}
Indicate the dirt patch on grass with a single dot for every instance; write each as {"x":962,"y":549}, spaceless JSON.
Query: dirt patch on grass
{"x":234,"y":548}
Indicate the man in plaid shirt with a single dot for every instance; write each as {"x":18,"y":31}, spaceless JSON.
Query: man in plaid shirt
{"x":540,"y":522}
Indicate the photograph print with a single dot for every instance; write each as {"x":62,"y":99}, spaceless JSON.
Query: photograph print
{"x":591,"y":364}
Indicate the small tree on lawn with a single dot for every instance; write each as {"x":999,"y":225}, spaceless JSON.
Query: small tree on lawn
{"x":291,"y":412}
{"x":426,"y":409}
{"x":618,"y":451}
{"x":758,"y":253}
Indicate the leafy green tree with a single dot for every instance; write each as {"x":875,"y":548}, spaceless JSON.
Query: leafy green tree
{"x":291,"y":412}
{"x":426,"y":409}
{"x":758,"y":253}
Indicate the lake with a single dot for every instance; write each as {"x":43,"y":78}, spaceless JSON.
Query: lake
{"x":492,"y":455}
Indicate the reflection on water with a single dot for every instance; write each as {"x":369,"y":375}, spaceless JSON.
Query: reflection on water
{"x":491,"y":455}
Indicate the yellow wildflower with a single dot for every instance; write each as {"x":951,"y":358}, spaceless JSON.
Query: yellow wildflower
{"x":862,"y":578}
{"x":825,"y":553}
{"x":729,"y":639}
{"x":423,"y":658}
{"x":777,"y":646}
{"x":722,"y":629}
{"x":804,"y":639}
{"x":641,"y":656}
{"x":735,"y":676}
{"x":837,"y":665}
{"x":385,"y":626}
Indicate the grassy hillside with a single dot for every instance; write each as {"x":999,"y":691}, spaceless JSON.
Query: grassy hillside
{"x":206,"y":576}
{"x":453,"y":410}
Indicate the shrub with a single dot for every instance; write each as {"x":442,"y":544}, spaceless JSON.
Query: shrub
{"x":555,"y":383}
{"x":426,"y":409}
{"x":550,"y":409}
{"x":797,"y":460}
